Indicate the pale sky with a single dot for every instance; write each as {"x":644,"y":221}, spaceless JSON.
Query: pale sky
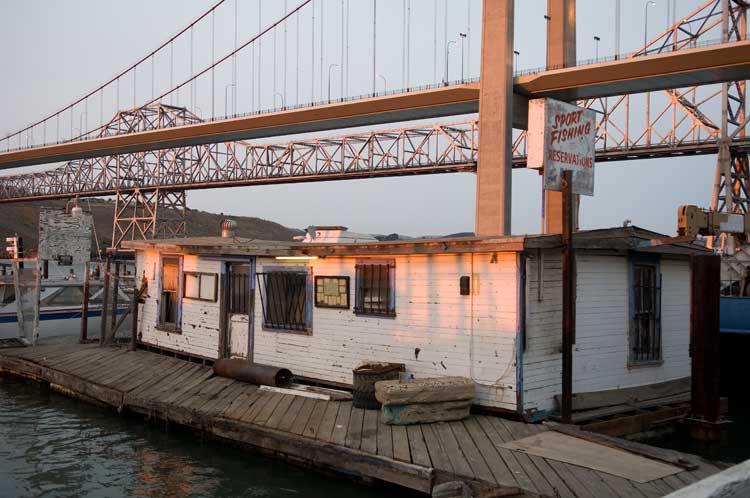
{"x":55,"y":51}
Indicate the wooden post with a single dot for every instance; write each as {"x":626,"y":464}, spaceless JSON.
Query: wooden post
{"x":568,"y":299}
{"x":115,"y":299}
{"x":85,"y":308}
{"x":134,"y":326}
{"x":705,"y":422}
{"x":105,"y":302}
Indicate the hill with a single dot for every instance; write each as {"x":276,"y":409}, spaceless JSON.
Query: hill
{"x":23,"y":217}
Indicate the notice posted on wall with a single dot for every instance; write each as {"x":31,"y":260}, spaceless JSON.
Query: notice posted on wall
{"x":561,"y":137}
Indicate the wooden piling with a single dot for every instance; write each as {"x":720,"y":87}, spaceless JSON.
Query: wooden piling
{"x":85,"y":308}
{"x":105,"y":302}
{"x":134,"y":325}
{"x":568,"y":299}
{"x":115,"y":301}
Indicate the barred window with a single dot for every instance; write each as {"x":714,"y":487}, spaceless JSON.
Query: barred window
{"x":645,"y":329}
{"x":239,"y":288}
{"x":286,"y":300}
{"x":375,"y":291}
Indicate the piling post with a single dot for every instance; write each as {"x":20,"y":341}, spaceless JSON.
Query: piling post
{"x":115,"y":299}
{"x":85,"y":308}
{"x":705,"y":421}
{"x":105,"y":301}
{"x":134,"y":312}
{"x":568,"y":298}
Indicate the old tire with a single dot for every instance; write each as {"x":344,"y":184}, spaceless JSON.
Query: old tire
{"x":365,"y":377}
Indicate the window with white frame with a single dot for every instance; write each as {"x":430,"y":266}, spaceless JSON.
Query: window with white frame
{"x":200,"y":286}
{"x":375,"y":288}
{"x":645,"y":311}
{"x":286,"y":299}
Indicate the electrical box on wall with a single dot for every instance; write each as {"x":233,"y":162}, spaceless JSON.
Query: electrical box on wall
{"x":465,"y":285}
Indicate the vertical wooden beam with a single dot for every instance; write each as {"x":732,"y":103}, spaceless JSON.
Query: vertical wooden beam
{"x":704,"y":336}
{"x":115,"y":302}
{"x":85,"y":307}
{"x":134,"y":325}
{"x":568,"y":298}
{"x":561,"y":52}
{"x":225,"y":282}
{"x":105,"y":301}
{"x":494,"y":169}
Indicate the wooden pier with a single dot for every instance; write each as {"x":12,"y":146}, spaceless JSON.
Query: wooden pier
{"x":332,"y":434}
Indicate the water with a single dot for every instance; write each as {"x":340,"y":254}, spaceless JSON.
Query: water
{"x":54,"y":446}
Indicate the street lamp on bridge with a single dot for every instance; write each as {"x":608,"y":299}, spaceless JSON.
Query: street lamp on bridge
{"x":650,"y":3}
{"x":330,"y":67}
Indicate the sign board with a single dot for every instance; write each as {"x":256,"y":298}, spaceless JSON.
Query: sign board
{"x":561,"y":137}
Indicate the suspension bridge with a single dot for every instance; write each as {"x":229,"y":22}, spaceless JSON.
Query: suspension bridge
{"x":682,"y":93}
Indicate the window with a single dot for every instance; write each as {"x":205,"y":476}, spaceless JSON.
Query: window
{"x":200,"y":286}
{"x":375,"y":293}
{"x":332,"y":292}
{"x":239,"y":288}
{"x":169,"y":303}
{"x":645,"y":326}
{"x":285,"y":297}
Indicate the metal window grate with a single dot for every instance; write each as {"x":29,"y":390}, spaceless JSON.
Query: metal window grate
{"x":239,"y":289}
{"x":646,"y":324}
{"x":284,"y":300}
{"x":374,"y":290}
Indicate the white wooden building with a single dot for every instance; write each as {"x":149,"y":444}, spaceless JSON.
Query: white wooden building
{"x":484,"y":308}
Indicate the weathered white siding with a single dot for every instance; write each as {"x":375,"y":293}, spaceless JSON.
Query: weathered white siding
{"x":600,"y":357}
{"x":238,"y":335}
{"x":200,"y":319}
{"x":436,"y":331}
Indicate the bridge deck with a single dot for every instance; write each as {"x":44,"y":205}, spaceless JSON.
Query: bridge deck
{"x":329,"y":434}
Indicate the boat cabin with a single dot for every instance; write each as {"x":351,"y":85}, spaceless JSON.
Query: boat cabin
{"x":485,"y":308}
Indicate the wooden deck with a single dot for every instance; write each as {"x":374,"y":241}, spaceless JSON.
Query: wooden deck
{"x":327,"y":434}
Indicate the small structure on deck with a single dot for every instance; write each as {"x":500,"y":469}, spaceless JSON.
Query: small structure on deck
{"x":488,"y":309}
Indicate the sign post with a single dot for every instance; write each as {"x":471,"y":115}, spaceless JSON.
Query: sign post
{"x":561,"y":140}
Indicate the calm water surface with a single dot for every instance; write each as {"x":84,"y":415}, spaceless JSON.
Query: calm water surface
{"x":53,"y":446}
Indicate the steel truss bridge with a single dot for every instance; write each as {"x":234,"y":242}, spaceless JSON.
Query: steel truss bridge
{"x":149,"y":186}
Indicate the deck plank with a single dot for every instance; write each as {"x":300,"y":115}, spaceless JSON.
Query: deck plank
{"x":438,"y":455}
{"x":385,"y":440}
{"x":341,"y":427}
{"x":458,"y":460}
{"x":369,"y":441}
{"x":264,"y":397}
{"x":288,"y":420}
{"x":401,"y":450}
{"x":241,"y":403}
{"x":419,"y":453}
{"x":278,"y":413}
{"x":500,"y":471}
{"x":316,"y":417}
{"x":354,"y":434}
{"x":498,"y":439}
{"x":264,"y":414}
{"x":325,"y":431}
{"x":300,"y":422}
{"x":473,"y":456}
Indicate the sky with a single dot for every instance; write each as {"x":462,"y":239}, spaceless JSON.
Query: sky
{"x":55,"y":51}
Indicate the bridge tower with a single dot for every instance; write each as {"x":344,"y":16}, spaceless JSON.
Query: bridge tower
{"x":145,"y":210}
{"x":561,"y":52}
{"x":731,"y":193}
